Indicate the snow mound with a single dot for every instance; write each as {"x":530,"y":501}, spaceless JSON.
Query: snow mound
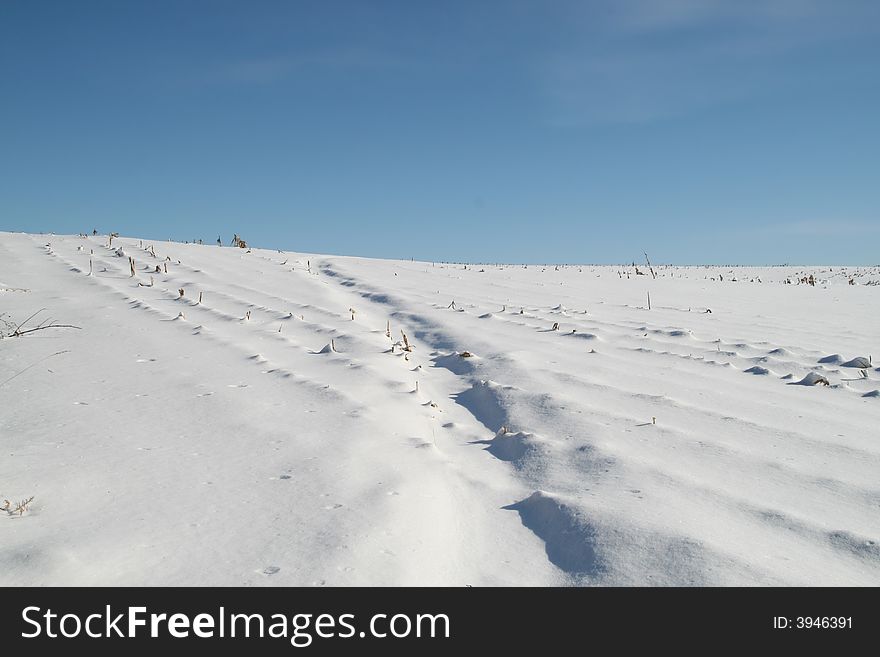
{"x":859,"y":546}
{"x":486,"y":402}
{"x":456,"y":363}
{"x":832,"y":359}
{"x":513,"y":446}
{"x":583,"y":336}
{"x":873,"y":393}
{"x":812,"y":379}
{"x":757,"y":369}
{"x":859,"y":361}
{"x":570,"y":539}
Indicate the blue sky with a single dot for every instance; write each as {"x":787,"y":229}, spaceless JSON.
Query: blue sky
{"x":700,"y":131}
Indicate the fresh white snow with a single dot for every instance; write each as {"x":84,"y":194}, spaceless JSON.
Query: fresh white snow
{"x":273,"y":434}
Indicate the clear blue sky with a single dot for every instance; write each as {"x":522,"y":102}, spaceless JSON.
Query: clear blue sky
{"x":741,"y":131}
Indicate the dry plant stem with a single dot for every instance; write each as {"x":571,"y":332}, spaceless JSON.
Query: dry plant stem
{"x":649,"y":266}
{"x":57,"y":353}
{"x":45,"y":324}
{"x":20,"y":508}
{"x":43,"y":328}
{"x":17,"y":328}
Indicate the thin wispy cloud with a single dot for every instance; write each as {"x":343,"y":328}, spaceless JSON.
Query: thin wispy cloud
{"x":648,"y":15}
{"x":832,"y":228}
{"x":279,"y":67}
{"x":638,"y":61}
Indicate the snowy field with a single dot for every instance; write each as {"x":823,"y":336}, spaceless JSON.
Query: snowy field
{"x":264,"y":429}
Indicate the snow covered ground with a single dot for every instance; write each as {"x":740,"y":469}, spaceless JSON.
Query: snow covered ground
{"x":273,"y":434}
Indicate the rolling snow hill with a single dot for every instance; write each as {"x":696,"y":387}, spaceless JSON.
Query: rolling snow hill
{"x":262,"y":428}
